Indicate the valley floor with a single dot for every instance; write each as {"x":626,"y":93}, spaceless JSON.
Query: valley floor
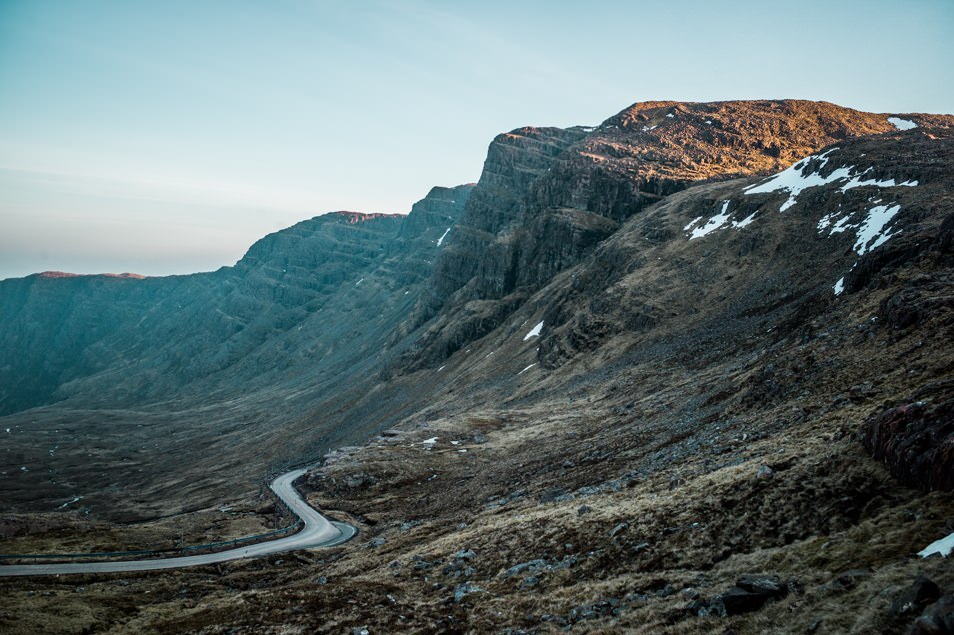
{"x":547,"y":519}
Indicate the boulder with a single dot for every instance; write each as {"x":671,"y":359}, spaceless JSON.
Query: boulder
{"x":937,"y":619}
{"x":750,"y":593}
{"x":916,"y":443}
{"x":923,"y":591}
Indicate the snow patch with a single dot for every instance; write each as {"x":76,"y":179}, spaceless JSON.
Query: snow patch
{"x":694,"y":221}
{"x":841,"y":225}
{"x":440,"y":240}
{"x":441,"y":368}
{"x":76,"y":499}
{"x":359,"y":282}
{"x":826,"y":221}
{"x":857,"y":182}
{"x":839,"y":286}
{"x":745,"y":222}
{"x":527,"y":368}
{"x":713,"y":223}
{"x":534,"y":332}
{"x":430,"y":441}
{"x":670,"y":115}
{"x":902,"y":124}
{"x":942,"y":546}
{"x":795,"y":179}
{"x":708,"y":122}
{"x":873,"y":232}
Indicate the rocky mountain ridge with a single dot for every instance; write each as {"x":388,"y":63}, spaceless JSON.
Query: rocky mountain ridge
{"x":547,"y":198}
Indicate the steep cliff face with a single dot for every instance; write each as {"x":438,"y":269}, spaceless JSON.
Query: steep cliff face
{"x":547,"y":198}
{"x":478,"y":255}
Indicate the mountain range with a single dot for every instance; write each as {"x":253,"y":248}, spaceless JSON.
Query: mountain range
{"x":631,"y":365}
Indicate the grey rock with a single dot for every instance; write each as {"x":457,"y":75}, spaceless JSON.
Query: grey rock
{"x":750,"y":593}
{"x":912,"y":600}
{"x":463,"y":590}
{"x":937,"y":619}
{"x":551,"y":495}
{"x":618,"y":529}
{"x":531,"y":566}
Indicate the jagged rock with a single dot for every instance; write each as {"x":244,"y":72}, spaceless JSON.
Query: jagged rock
{"x":916,"y":442}
{"x":459,"y":566}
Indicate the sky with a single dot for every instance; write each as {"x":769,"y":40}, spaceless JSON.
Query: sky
{"x":166,"y":137}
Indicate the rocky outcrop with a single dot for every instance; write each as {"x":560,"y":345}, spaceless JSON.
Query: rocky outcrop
{"x":916,"y":443}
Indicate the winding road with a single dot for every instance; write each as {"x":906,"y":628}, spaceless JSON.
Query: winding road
{"x":318,"y":531}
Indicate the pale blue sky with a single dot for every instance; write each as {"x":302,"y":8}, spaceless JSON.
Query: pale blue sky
{"x":166,"y":137}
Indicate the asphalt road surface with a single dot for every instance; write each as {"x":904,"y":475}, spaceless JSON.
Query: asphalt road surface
{"x":318,"y":531}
